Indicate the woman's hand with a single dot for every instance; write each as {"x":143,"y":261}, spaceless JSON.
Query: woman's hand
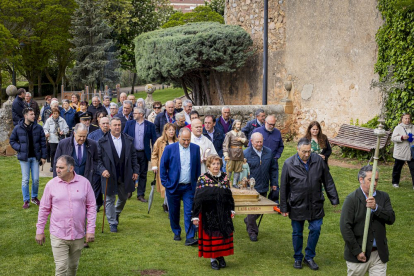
{"x":323,"y":156}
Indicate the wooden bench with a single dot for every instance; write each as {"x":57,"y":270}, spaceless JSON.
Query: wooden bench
{"x":360,"y":138}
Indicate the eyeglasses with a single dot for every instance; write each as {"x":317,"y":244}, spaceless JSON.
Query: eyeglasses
{"x":271,"y":124}
{"x":157,"y":107}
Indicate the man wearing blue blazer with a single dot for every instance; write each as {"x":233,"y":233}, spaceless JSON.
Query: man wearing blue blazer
{"x":144,"y":136}
{"x":179,"y":170}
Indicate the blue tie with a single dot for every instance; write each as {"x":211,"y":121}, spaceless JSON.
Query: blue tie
{"x":79,"y":154}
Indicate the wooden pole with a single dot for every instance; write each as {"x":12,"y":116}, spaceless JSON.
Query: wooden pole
{"x":104,"y":212}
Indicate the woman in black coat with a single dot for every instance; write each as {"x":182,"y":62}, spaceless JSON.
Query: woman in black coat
{"x":319,"y":141}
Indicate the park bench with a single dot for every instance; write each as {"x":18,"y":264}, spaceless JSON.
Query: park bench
{"x":360,"y":138}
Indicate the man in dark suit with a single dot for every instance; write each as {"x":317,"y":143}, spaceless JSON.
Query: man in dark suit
{"x":144,"y":136}
{"x":180,"y":168}
{"x":258,"y":122}
{"x":167,"y":116}
{"x":263,"y":168}
{"x":224,"y":123}
{"x":118,"y":164}
{"x":85,"y":119}
{"x":126,"y":113}
{"x":214,"y":135}
{"x":352,"y":225}
{"x":18,"y":106}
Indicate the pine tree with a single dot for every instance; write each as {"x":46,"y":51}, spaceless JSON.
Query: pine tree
{"x":95,"y":59}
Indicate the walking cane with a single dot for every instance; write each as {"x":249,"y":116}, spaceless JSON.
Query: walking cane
{"x":103,"y":217}
{"x":260,"y":221}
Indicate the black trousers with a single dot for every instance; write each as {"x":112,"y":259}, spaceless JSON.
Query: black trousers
{"x":396,"y":171}
{"x":97,"y":189}
{"x":53,"y":148}
{"x":250,"y":220}
{"x":143,"y":170}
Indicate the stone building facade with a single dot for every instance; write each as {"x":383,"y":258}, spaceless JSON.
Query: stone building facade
{"x":327,"y":50}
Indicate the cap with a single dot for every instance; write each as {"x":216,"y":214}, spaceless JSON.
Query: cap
{"x":85,"y":116}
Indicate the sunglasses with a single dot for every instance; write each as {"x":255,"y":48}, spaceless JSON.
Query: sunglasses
{"x":157,"y":107}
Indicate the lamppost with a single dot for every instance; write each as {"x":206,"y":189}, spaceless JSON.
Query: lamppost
{"x":21,"y":45}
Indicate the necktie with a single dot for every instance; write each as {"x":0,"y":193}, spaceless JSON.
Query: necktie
{"x":79,"y":154}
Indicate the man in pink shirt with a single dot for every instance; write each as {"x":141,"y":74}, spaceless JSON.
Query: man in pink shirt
{"x":71,"y":200}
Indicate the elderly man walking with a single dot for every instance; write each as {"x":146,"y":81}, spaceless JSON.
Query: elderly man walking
{"x":117,"y":164}
{"x":179,"y":171}
{"x":28,"y":139}
{"x":167,"y":116}
{"x":18,"y":106}
{"x":258,"y":122}
{"x":96,"y":106}
{"x":206,"y":146}
{"x":33,"y":104}
{"x":126,"y":114}
{"x":352,"y":224}
{"x":263,"y":168}
{"x":143,"y":133}
{"x":301,"y":198}
{"x":70,"y":200}
{"x":188,"y":107}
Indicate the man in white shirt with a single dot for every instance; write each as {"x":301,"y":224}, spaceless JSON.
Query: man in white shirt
{"x":188,"y":106}
{"x":206,"y":146}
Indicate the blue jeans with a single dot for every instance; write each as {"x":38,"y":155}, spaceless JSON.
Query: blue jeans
{"x":30,"y":165}
{"x":313,"y":237}
{"x":185,"y":193}
{"x":223,"y":169}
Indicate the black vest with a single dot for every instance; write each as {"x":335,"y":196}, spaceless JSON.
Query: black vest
{"x":119,"y":161}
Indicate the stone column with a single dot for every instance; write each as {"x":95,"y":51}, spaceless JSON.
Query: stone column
{"x":6,"y":122}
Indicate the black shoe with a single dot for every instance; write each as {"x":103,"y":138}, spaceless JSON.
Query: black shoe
{"x":142,"y":199}
{"x":113,"y":228}
{"x":191,"y":241}
{"x":222,"y":262}
{"x":215,"y":265}
{"x":177,"y":238}
{"x":298,"y":264}
{"x":165,"y":207}
{"x":117,"y":218}
{"x":129,"y":195}
{"x":253,"y":238}
{"x":311,"y":263}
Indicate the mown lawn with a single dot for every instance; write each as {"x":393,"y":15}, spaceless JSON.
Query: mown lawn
{"x":145,"y":241}
{"x":162,"y":95}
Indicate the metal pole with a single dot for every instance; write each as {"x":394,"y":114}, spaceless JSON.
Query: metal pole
{"x":379,"y":132}
{"x":265,"y":57}
{"x":14,"y":76}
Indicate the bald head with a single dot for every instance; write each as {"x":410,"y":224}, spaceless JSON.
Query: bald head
{"x":197,"y":127}
{"x":184,"y":137}
{"x":257,"y":141}
{"x":270,"y":123}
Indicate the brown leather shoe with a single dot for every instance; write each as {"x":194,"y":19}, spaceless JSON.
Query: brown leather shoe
{"x":142,"y":199}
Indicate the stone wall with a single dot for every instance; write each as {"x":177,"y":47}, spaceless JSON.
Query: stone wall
{"x":6,"y":122}
{"x":326,"y":48}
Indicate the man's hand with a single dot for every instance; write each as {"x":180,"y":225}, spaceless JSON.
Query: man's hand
{"x":42,"y":161}
{"x":323,"y":156}
{"x":274,"y":188}
{"x":135,"y":176}
{"x":361,"y":257}
{"x":405,"y":137}
{"x":47,"y":135}
{"x":106,"y":174}
{"x":40,"y":239}
{"x":371,"y":203}
{"x":90,"y":237}
{"x":227,"y":158}
{"x":285,"y":214}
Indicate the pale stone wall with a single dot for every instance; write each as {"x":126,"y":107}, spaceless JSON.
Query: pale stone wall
{"x":327,"y":48}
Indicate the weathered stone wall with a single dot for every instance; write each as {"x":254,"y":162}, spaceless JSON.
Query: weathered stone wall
{"x":6,"y":127}
{"x":327,"y":48}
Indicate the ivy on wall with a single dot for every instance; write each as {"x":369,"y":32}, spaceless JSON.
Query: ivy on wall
{"x":395,"y":41}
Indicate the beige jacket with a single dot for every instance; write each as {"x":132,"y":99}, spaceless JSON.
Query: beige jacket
{"x":402,"y":147}
{"x":156,"y":155}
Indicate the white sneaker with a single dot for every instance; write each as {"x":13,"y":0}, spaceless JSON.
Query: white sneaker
{"x":395,"y":185}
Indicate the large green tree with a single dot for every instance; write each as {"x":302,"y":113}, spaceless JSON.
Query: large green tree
{"x":199,"y":14}
{"x":189,"y":55}
{"x":395,"y":41}
{"x":94,"y":49}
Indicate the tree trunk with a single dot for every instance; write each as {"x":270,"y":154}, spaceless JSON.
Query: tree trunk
{"x":134,"y":79}
{"x":39,"y":85}
{"x":2,"y":95}
{"x":185,"y":90}
{"x":49,"y":77}
{"x":221,"y":99}
{"x":31,"y":85}
{"x":206,"y":88}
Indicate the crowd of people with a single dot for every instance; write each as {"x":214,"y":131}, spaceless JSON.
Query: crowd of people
{"x":102,"y":151}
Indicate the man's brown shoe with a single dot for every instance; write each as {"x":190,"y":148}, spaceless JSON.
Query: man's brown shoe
{"x":142,"y":199}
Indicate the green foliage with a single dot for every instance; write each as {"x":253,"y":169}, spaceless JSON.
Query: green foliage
{"x":7,"y":43}
{"x":93,"y":49}
{"x":395,"y":49}
{"x":183,"y":55}
{"x":162,"y":95}
{"x":217,"y":5}
{"x":199,"y":14}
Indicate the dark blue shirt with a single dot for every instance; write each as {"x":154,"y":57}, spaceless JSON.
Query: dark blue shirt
{"x":272,"y":140}
{"x":304,"y":164}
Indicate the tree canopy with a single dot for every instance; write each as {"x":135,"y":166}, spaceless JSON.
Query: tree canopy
{"x":188,"y":54}
{"x":199,"y":14}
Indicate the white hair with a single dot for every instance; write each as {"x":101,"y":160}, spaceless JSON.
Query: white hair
{"x":96,"y":97}
{"x":80,"y":127}
{"x":186,"y":102}
{"x":179,"y":116}
{"x":141,"y":100}
{"x":53,"y":103}
{"x":28,"y":94}
{"x":113,"y":105}
{"x":169,"y":102}
{"x":225,"y":107}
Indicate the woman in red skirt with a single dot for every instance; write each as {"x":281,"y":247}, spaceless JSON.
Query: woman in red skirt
{"x":213,"y":212}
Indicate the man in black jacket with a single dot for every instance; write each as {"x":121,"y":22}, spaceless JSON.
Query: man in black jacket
{"x":96,"y":106}
{"x":28,"y":139}
{"x":301,"y":198}
{"x":118,"y":166}
{"x":85,"y":153}
{"x":352,"y":226}
{"x":213,"y":134}
{"x":164,"y":117}
{"x":18,"y":106}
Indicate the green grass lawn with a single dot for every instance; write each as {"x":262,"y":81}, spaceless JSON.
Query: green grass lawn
{"x":162,"y":95}
{"x":145,"y":241}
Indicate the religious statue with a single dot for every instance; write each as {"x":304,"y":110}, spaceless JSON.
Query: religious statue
{"x":243,"y":183}
{"x":233,"y":151}
{"x":252,"y":182}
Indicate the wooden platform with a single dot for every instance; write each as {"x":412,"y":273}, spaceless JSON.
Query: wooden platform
{"x":263,"y":206}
